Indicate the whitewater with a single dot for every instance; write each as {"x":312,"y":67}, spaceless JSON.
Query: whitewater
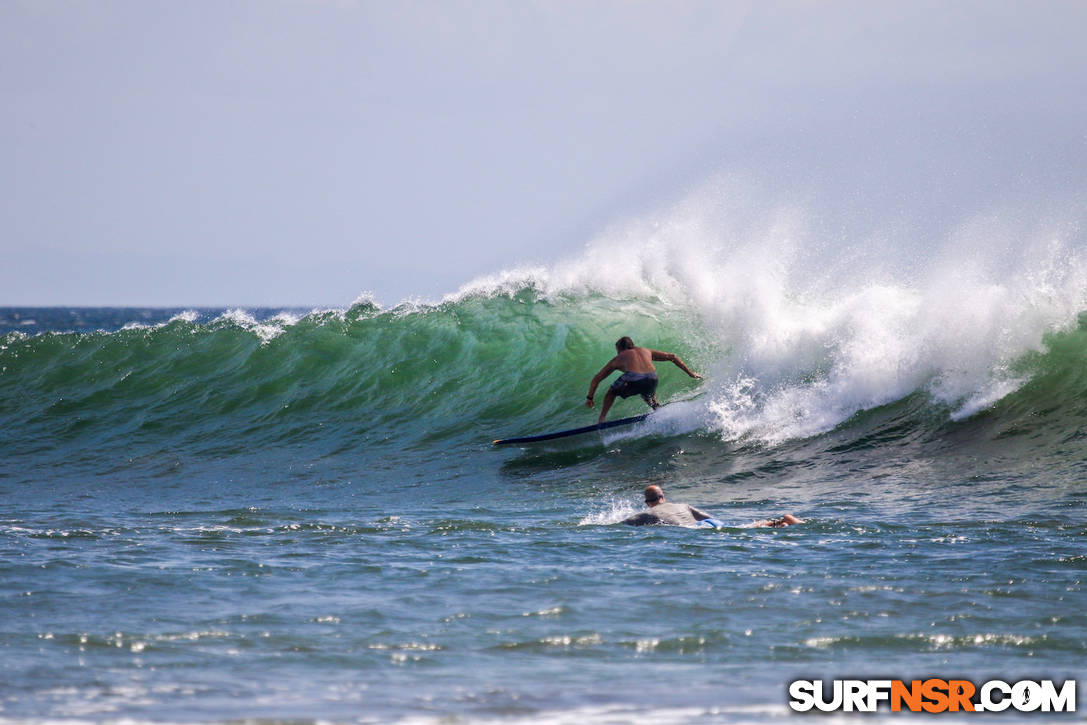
{"x":209,"y":515}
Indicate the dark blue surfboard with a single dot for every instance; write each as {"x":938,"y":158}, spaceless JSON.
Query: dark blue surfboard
{"x":573,"y":431}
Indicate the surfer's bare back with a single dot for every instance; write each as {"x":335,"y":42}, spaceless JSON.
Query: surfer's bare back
{"x":639,"y":375}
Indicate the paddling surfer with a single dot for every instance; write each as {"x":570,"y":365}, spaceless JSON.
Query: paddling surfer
{"x":662,"y":512}
{"x":682,"y":514}
{"x":639,"y":375}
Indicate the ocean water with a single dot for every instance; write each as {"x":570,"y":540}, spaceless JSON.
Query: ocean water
{"x":298,"y":515}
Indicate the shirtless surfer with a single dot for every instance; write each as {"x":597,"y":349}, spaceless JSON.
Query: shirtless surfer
{"x":639,"y":375}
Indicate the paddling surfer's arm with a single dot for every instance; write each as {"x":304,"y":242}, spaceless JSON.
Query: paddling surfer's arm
{"x":698,"y":515}
{"x":605,"y":371}
{"x":673,"y":358}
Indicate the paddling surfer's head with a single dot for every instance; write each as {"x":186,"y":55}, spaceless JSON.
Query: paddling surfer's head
{"x":653,"y":495}
{"x":624,"y":343}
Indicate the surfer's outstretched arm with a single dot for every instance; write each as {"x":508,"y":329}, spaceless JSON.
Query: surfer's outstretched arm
{"x":605,"y":371}
{"x":673,"y":358}
{"x":786,"y":520}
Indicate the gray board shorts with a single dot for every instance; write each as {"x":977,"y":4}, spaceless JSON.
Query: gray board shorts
{"x":628,"y":384}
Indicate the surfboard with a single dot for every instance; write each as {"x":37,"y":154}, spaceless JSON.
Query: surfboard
{"x":573,"y":431}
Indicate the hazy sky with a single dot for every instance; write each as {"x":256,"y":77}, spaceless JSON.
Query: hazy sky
{"x":297,"y":152}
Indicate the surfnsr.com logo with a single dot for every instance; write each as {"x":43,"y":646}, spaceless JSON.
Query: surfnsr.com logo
{"x":932,"y":695}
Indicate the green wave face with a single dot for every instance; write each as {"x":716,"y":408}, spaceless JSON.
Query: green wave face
{"x":431,"y":372}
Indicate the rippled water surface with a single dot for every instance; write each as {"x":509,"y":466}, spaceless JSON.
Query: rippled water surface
{"x":218,"y":515}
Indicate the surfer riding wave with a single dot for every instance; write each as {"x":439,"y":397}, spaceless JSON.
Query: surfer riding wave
{"x":639,"y":375}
